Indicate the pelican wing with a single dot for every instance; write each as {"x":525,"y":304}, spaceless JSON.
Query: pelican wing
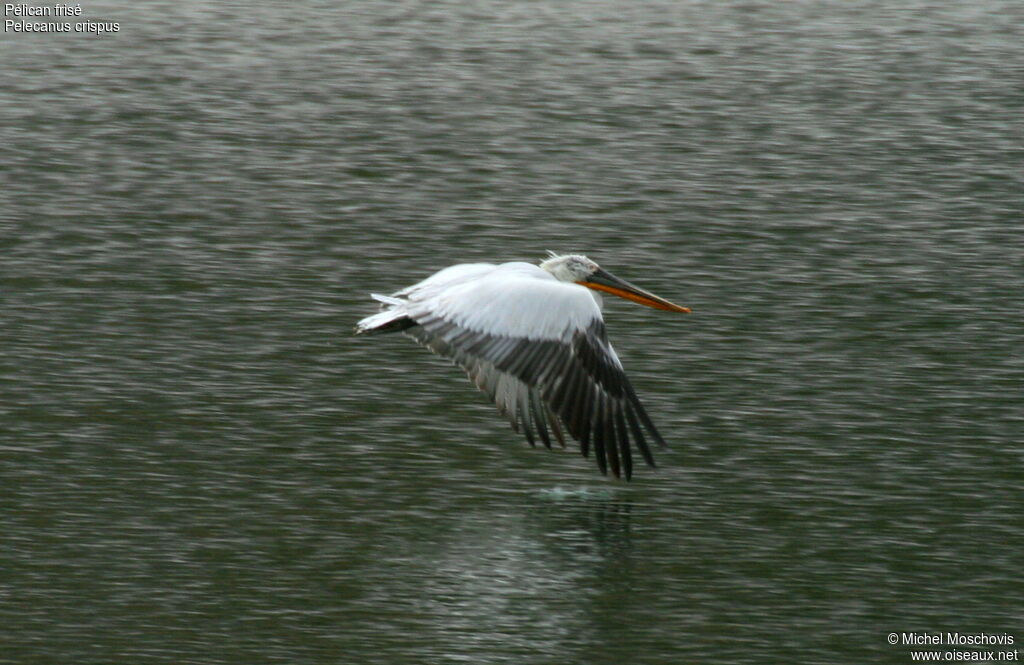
{"x":539,"y":349}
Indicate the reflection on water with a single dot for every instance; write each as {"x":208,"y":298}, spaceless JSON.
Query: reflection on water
{"x":527,"y":581}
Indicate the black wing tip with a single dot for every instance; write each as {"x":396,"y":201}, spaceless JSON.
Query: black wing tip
{"x":593,"y":403}
{"x":398,"y":325}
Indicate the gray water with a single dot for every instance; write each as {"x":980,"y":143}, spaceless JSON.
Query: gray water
{"x":200,"y":464}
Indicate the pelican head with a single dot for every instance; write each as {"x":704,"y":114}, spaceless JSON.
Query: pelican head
{"x":581,"y":270}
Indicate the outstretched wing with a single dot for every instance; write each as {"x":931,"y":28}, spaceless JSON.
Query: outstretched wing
{"x":539,"y":349}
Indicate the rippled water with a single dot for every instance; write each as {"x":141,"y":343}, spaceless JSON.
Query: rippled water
{"x":200,"y":464}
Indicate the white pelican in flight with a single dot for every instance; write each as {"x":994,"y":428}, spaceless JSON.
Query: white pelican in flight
{"x":532,"y":338}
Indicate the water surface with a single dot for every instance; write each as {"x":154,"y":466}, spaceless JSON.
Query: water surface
{"x":202,"y":465}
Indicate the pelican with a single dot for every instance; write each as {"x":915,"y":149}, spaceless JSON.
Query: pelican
{"x":532,"y":338}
